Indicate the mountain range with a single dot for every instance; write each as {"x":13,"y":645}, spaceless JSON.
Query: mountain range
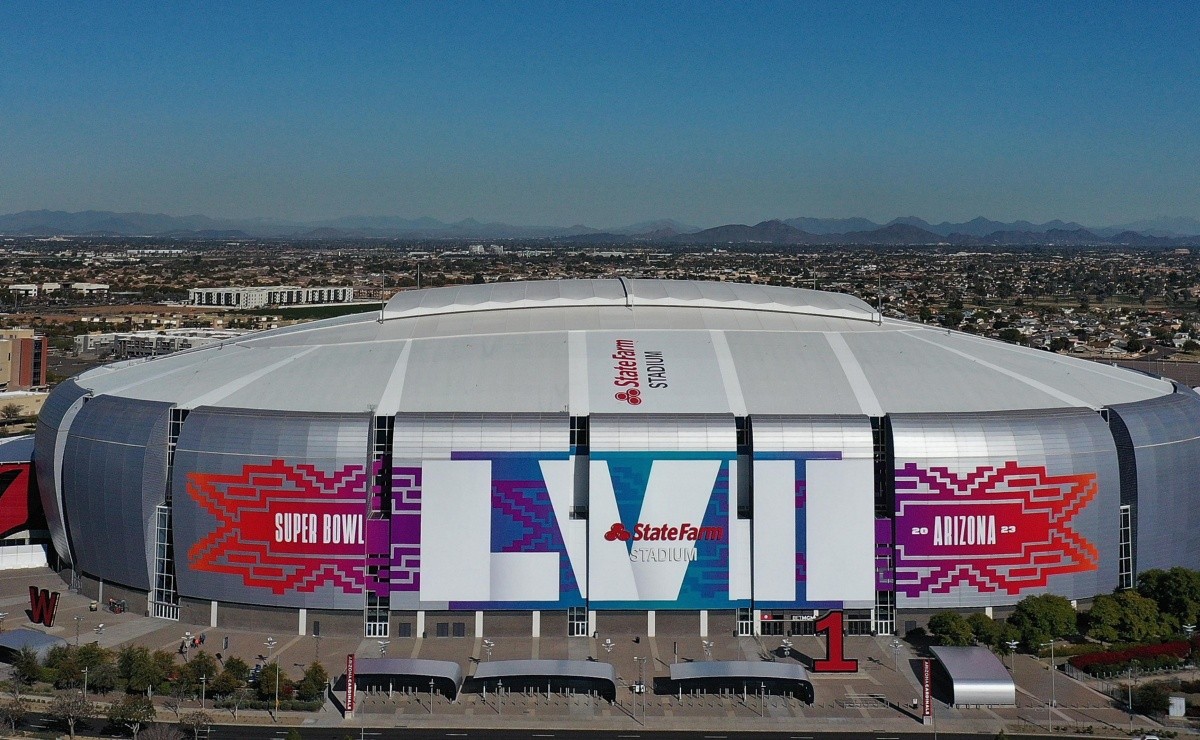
{"x":908,"y":230}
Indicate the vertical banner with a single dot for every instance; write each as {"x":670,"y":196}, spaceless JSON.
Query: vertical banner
{"x":927,"y":691}
{"x":350,"y":684}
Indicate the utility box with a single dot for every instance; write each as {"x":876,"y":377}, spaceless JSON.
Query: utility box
{"x":1178,"y":707}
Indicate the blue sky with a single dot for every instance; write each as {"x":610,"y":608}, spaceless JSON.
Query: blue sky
{"x":604,"y":113}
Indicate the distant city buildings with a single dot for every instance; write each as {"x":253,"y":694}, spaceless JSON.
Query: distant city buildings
{"x":271,"y":295}
{"x":44,"y":290}
{"x":134,"y":344}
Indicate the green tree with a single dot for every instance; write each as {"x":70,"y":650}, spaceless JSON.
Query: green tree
{"x":1176,"y":591}
{"x":26,"y":668}
{"x":267,"y":682}
{"x":985,"y":629}
{"x":951,"y":628}
{"x":11,"y":411}
{"x":1125,"y":616}
{"x":1042,"y":618}
{"x":69,"y":708}
{"x":131,"y":713}
{"x":1151,"y":698}
{"x":141,"y":669}
{"x":312,"y":686}
{"x":200,"y":665}
{"x":1191,"y":346}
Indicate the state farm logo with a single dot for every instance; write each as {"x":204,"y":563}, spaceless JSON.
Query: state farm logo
{"x":627,"y":371}
{"x":650,"y":532}
{"x":633,"y":397}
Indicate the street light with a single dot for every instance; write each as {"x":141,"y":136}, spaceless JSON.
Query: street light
{"x":383,"y":645}
{"x":186,"y":643}
{"x":1188,"y":629}
{"x":431,"y":696}
{"x":85,"y":674}
{"x":499,"y":696}
{"x":270,"y":643}
{"x":708,"y":646}
{"x":762,"y":700}
{"x":78,"y":620}
{"x":1012,"y":648}
{"x":896,"y":653}
{"x":787,"y":648}
{"x":608,"y":645}
{"x":1053,"y":696}
{"x":203,"y":684}
{"x":642,"y":684}
{"x":487,"y":649}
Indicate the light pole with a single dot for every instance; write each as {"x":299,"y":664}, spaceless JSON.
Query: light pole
{"x":1012,"y":648}
{"x":500,"y":696}
{"x":1188,"y":629}
{"x":85,"y":674}
{"x":1053,"y":695}
{"x":203,"y":684}
{"x":270,"y":643}
{"x":642,"y":684}
{"x":787,"y":648}
{"x":383,"y":646}
{"x":187,"y":643}
{"x":1129,"y":686}
{"x":708,"y":646}
{"x":78,"y":620}
{"x":896,"y":653}
{"x":317,"y":649}
{"x":431,"y":696}
{"x":762,"y":700}
{"x":487,"y":649}
{"x":608,"y":645}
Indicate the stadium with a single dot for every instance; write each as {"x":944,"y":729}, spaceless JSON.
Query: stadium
{"x":552,"y":457}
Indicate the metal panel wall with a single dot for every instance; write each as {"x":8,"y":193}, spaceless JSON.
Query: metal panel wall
{"x":663,"y":528}
{"x":814,"y":512}
{"x":481,"y":513}
{"x":994,"y":507}
{"x":54,"y":422}
{"x":1166,"y":438}
{"x":270,"y":508}
{"x":114,"y":477}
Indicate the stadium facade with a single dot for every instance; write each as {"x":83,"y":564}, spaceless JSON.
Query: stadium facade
{"x":556,"y":454}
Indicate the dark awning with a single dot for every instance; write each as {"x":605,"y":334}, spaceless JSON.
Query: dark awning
{"x":13,"y":641}
{"x":730,"y":674}
{"x":446,"y":674}
{"x":586,"y":674}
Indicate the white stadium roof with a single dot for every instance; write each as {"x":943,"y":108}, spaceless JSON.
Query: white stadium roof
{"x":548,"y":346}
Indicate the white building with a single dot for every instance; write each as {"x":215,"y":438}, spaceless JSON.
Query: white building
{"x":270,"y":295}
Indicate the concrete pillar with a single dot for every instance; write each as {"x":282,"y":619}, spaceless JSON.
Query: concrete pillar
{"x":704,"y":623}
{"x":650,"y":623}
{"x":420,"y":623}
{"x":537,"y":623}
{"x":478,"y":623}
{"x":591,"y":621}
{"x":212,"y":614}
{"x":302,"y":628}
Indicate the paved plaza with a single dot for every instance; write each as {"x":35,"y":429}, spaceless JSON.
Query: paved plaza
{"x":881,"y":695}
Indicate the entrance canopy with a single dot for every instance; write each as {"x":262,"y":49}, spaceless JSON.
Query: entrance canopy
{"x":976,"y":676}
{"x":743,"y":675}
{"x":583,"y":675}
{"x":12,"y":642}
{"x":445,"y":675}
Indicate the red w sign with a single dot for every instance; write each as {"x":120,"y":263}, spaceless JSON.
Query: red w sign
{"x":43,"y":605}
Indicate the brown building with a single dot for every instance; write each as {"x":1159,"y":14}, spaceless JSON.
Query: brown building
{"x":23,"y":359}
